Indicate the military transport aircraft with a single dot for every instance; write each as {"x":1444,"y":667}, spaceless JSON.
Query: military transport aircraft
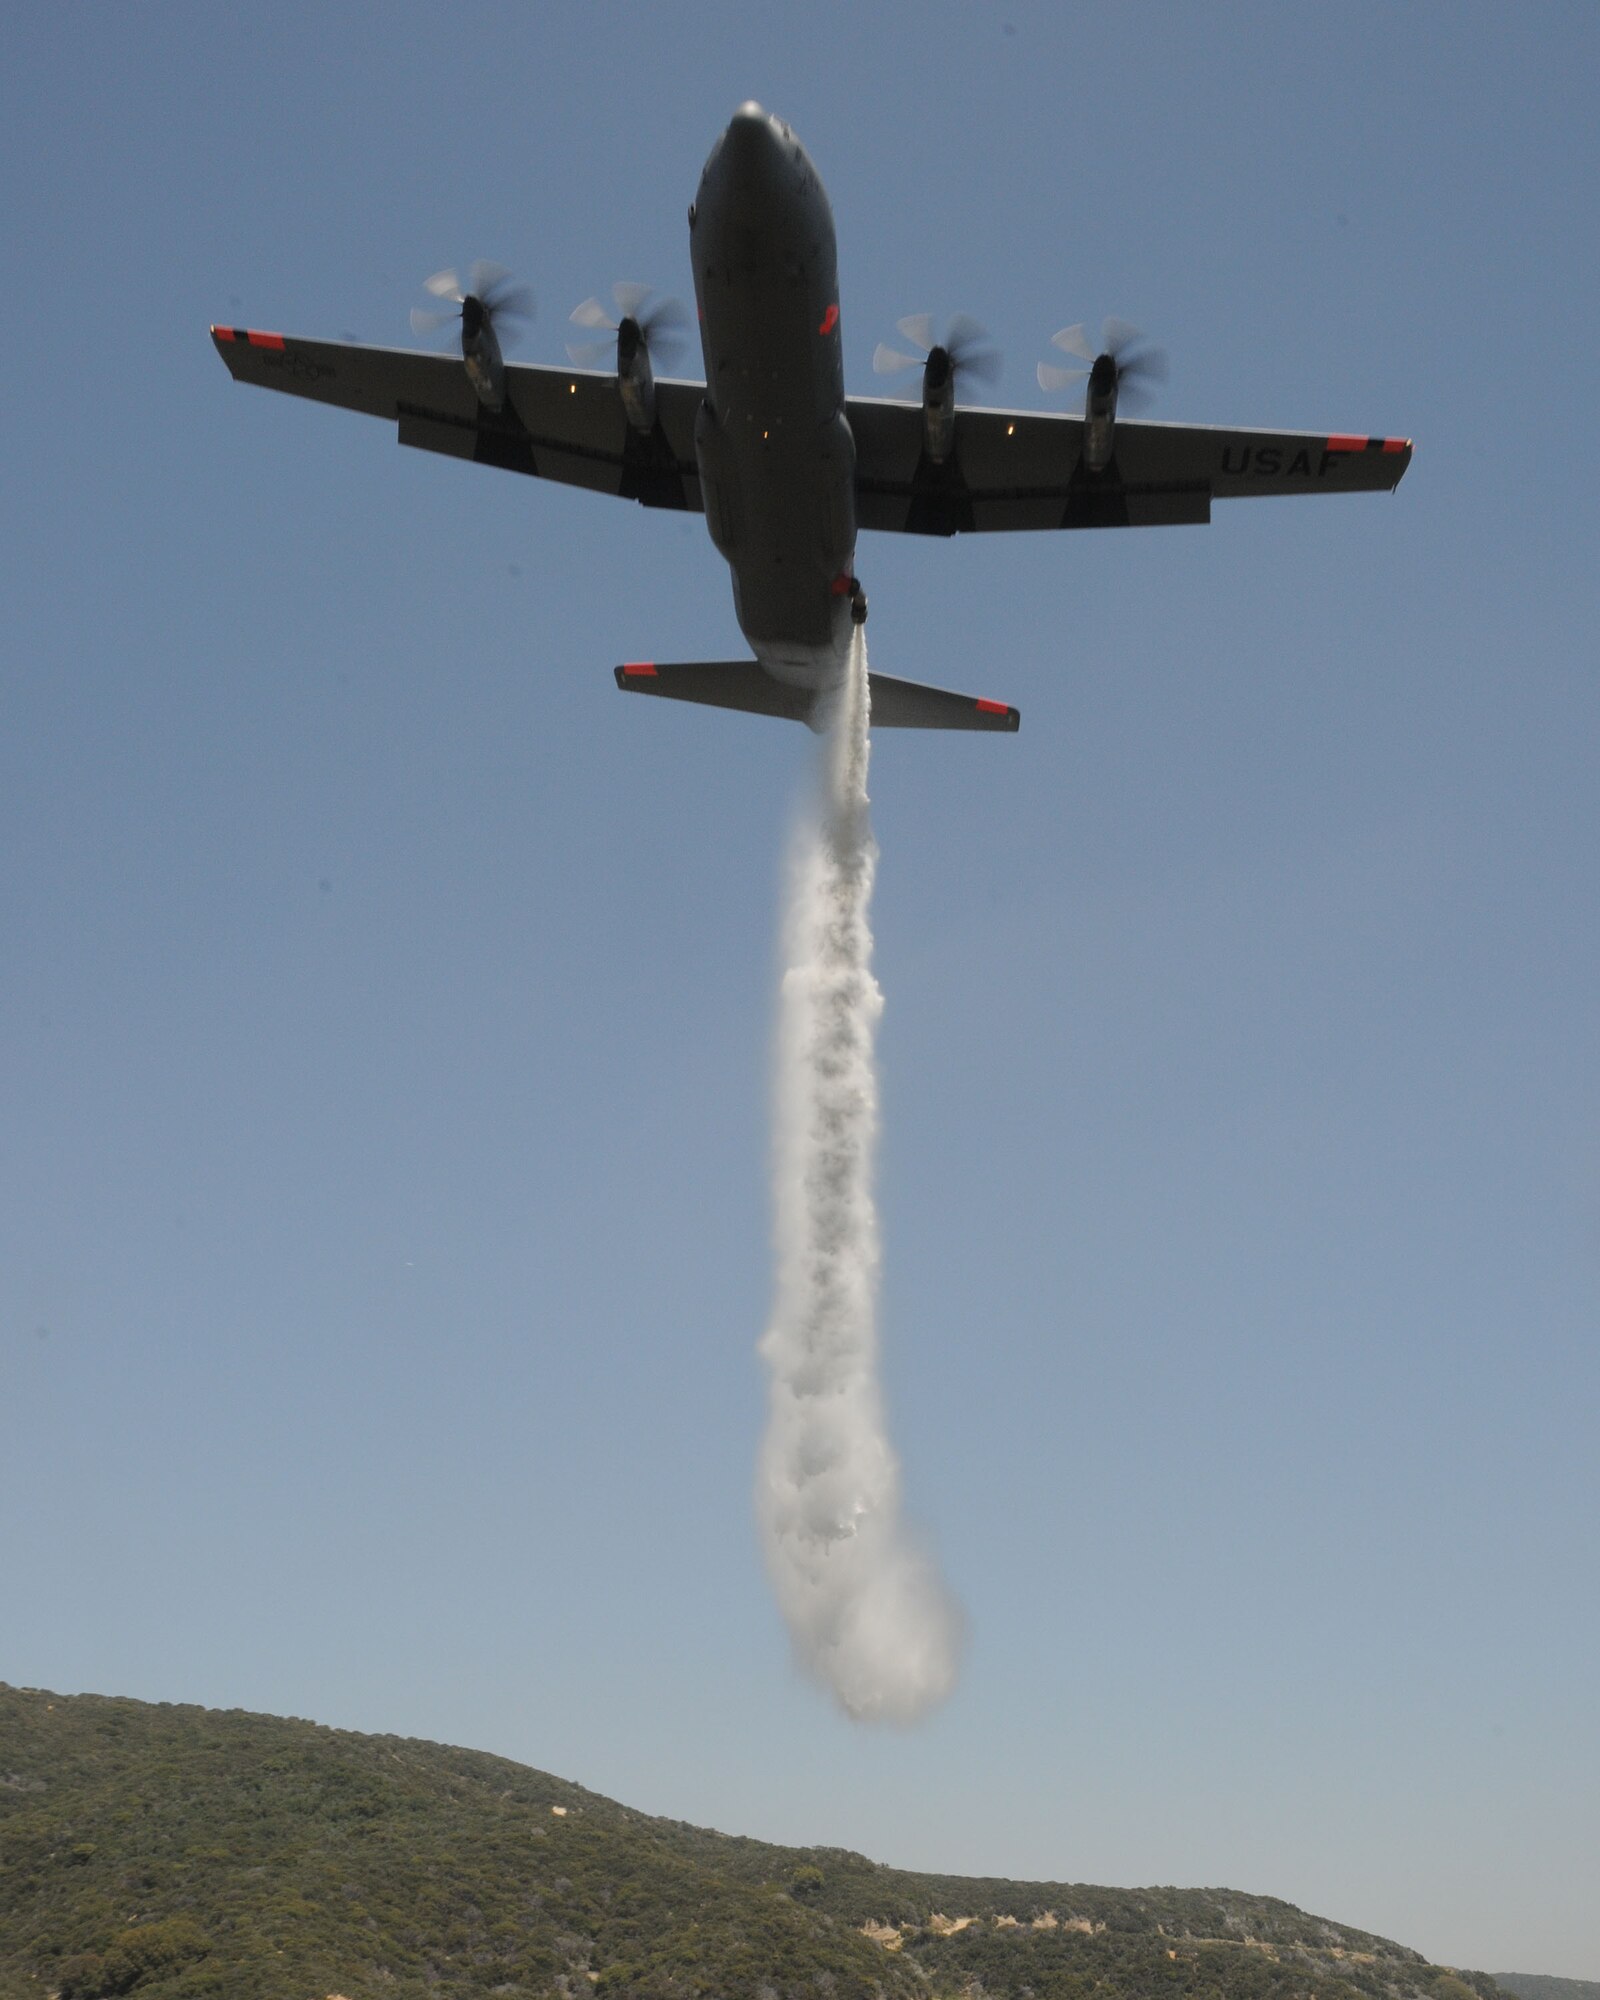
{"x":783,"y":464}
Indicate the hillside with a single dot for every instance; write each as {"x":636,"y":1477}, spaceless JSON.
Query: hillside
{"x":171,"y":1851}
{"x":1544,"y":1986}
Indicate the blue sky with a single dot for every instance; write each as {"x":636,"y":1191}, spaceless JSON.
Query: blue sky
{"x":386,"y":1004}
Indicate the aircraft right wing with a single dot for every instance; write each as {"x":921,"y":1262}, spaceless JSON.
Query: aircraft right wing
{"x":566,"y":424}
{"x":1023,"y":469}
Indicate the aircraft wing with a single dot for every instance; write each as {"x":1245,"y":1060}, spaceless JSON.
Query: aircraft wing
{"x":566,"y":424}
{"x":1014,"y":469}
{"x":1011,"y":469}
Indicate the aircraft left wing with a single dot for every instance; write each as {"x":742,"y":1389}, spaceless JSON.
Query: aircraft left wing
{"x":566,"y":424}
{"x":1017,"y":469}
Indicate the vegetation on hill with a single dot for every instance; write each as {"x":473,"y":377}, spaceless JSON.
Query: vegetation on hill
{"x":1545,"y":1986}
{"x":187,"y":1854}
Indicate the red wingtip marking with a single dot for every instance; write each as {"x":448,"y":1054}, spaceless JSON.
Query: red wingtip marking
{"x":223,"y":333}
{"x":633,"y":668}
{"x":1397,"y":444}
{"x":830,"y":319}
{"x":1347,"y":444}
{"x":265,"y":339}
{"x":992,"y":708}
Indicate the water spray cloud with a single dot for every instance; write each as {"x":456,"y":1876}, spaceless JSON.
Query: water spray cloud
{"x":869,"y":1615}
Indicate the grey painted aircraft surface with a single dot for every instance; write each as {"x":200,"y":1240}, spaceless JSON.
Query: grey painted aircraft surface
{"x":787,"y":468}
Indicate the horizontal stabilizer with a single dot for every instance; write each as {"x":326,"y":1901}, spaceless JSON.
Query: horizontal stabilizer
{"x":910,"y":705}
{"x":746,"y":684}
{"x":721,"y":683}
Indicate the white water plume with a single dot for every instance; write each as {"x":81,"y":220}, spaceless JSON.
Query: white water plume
{"x":866,"y":1608}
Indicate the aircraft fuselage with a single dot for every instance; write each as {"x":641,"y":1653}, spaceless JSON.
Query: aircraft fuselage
{"x":775,"y":451}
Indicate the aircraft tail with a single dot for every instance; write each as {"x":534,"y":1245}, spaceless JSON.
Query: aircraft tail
{"x":746,"y":684}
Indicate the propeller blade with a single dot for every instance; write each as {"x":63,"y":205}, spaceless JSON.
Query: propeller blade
{"x":1148,"y":366}
{"x":1116,"y":335}
{"x":664,"y":347}
{"x":981,"y":363}
{"x":444,"y":285}
{"x":590,"y":353}
{"x":484,"y":276}
{"x":629,"y":298}
{"x":591,"y":313}
{"x":425,"y":321}
{"x":965,"y":344}
{"x":1071,"y":341}
{"x":515,"y":302}
{"x":666,"y":316}
{"x":888,"y":361}
{"x":1053,"y":379}
{"x":918,"y":329}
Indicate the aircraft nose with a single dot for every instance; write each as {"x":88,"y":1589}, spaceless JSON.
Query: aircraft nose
{"x":748,"y":124}
{"x":751,"y":149}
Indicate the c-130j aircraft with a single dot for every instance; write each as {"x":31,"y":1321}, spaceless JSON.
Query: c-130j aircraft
{"x":784,"y":465}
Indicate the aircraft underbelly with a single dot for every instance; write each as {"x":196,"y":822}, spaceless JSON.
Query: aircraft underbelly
{"x":776,"y":455}
{"x":782,"y":518}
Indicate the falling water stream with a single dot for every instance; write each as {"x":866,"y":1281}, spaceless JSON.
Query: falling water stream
{"x":868,"y":1612}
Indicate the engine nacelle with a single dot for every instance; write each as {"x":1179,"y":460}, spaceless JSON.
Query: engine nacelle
{"x":1100,"y":413}
{"x":480,"y":350}
{"x":635,"y":383}
{"x":939,"y":405}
